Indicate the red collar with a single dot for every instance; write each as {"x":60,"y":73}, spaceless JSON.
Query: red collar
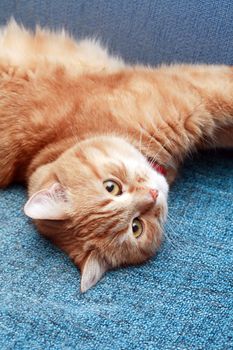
{"x":158,"y":167}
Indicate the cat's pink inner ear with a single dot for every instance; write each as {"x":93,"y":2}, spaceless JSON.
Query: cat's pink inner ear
{"x":48,"y":204}
{"x":93,"y":270}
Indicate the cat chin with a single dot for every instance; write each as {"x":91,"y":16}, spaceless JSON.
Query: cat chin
{"x":159,"y":182}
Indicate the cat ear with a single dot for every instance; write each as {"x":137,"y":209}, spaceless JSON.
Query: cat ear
{"x":48,"y":204}
{"x":94,"y":268}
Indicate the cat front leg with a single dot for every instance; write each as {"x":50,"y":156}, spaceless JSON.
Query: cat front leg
{"x":203,"y":99}
{"x":214,"y":84}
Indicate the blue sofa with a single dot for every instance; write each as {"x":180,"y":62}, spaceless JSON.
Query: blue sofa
{"x":183,"y":298}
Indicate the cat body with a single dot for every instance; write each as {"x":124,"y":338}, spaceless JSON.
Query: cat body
{"x":76,"y":123}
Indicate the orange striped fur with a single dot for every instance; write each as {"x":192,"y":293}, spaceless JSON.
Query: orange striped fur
{"x":72,"y":116}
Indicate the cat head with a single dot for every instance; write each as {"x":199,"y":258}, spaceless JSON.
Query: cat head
{"x":103,"y":203}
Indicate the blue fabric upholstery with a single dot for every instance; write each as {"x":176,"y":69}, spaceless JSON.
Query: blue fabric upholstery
{"x":182,"y":299}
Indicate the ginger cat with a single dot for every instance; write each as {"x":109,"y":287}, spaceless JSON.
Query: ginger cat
{"x":98,"y":141}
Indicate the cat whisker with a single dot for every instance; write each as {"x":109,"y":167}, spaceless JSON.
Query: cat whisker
{"x":170,"y":233}
{"x":151,"y":138}
{"x":172,"y":229}
{"x":170,"y":238}
{"x":173,"y":220}
{"x":155,"y":157}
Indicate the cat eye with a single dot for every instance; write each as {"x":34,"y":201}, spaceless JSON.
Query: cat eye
{"x":113,"y":187}
{"x":137,"y":227}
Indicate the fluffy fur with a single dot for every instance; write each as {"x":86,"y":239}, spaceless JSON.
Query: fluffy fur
{"x":72,"y":117}
{"x":25,"y":49}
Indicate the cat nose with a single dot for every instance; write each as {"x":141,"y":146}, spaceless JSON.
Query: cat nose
{"x":154,"y":193}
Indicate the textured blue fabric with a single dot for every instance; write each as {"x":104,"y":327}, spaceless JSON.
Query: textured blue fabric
{"x":152,"y":31}
{"x":182,"y":299}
